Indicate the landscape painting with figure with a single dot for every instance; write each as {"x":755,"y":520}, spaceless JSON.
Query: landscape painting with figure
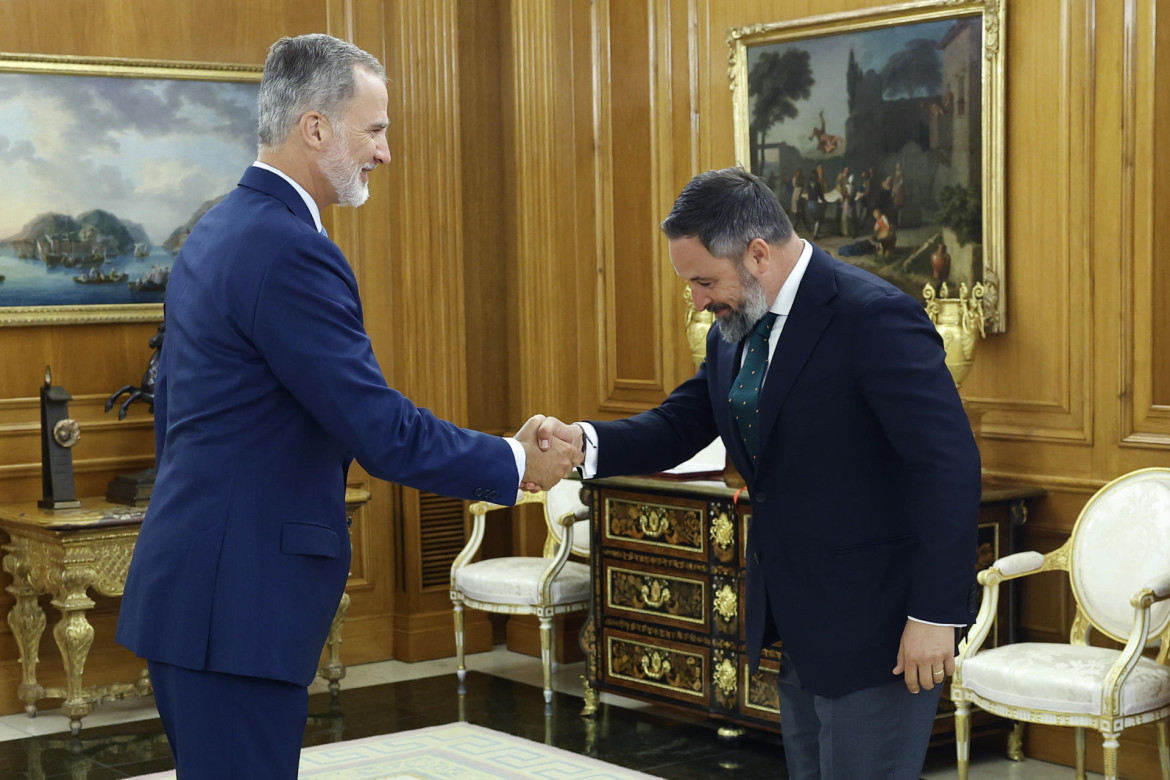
{"x":105,"y":177}
{"x":872,"y":139}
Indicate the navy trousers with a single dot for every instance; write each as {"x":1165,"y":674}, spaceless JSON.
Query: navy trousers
{"x":227,"y":727}
{"x":874,"y":734}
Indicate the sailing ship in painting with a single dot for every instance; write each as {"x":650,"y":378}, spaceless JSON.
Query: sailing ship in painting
{"x":96,"y":254}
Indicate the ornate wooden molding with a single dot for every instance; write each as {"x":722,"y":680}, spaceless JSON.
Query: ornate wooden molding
{"x":1145,"y":419}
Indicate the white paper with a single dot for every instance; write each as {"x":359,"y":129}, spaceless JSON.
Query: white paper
{"x":713,"y":457}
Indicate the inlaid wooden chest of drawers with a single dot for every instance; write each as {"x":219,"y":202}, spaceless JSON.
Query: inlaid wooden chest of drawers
{"x":666,"y":620}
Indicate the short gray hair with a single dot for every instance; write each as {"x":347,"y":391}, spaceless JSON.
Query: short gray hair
{"x":726,"y":210}
{"x":308,"y":73}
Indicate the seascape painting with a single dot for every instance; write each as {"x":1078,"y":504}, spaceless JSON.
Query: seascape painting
{"x":107,"y":174}
{"x":874,"y":136}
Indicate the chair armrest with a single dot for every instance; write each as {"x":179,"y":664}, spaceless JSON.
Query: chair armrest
{"x":1139,"y":636}
{"x":479,"y":512}
{"x":1008,"y":568}
{"x":1155,"y":590}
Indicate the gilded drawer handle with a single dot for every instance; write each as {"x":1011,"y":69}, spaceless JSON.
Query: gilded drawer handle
{"x":726,"y":604}
{"x":655,"y":594}
{"x":724,"y":677}
{"x":653,"y":523}
{"x":722,"y":531}
{"x":655,"y":665}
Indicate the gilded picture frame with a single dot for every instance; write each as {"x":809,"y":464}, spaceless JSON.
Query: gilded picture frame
{"x":882,"y":132}
{"x":109,"y":162}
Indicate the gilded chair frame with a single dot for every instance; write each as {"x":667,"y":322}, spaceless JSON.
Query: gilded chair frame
{"x":557,"y":550}
{"x":1143,"y":634}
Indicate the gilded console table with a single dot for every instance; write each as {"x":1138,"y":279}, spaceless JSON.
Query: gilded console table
{"x":64,"y":553}
{"x":665,"y":625}
{"x":67,"y":552}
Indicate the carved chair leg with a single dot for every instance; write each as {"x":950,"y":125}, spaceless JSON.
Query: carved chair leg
{"x":962,"y":737}
{"x":460,"y":669}
{"x":1164,"y":748}
{"x":1080,"y":748}
{"x":1015,"y":748}
{"x":546,"y":641}
{"x":1111,"y":748}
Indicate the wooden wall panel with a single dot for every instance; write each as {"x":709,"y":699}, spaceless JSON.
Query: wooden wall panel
{"x":1146,"y":408}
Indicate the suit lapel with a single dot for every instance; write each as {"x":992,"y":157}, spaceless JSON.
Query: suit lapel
{"x":807,"y":320}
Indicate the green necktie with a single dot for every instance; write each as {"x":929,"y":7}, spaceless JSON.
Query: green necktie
{"x":745,"y":391}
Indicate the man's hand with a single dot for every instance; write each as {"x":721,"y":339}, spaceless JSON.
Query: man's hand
{"x":545,"y":465}
{"x":924,"y":652}
{"x":553,"y":428}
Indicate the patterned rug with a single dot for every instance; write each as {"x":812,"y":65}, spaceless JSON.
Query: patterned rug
{"x":456,"y":751}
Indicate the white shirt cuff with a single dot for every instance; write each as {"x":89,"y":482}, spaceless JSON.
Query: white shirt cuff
{"x":521,"y":458}
{"x":588,"y":469}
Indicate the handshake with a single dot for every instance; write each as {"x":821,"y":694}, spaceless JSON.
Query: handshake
{"x":552,"y":450}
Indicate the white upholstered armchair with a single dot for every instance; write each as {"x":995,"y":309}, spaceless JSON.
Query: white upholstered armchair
{"x":546,"y":587}
{"x":1118,"y":562}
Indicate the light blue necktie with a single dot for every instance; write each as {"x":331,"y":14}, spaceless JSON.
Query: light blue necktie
{"x":745,"y":391}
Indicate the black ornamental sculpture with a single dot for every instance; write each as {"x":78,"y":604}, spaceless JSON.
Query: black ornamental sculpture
{"x":135,"y":489}
{"x":59,"y":432}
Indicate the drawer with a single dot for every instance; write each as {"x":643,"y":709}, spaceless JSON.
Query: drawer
{"x":759,"y":697}
{"x":674,"y":527}
{"x":673,"y":670}
{"x":662,"y":595}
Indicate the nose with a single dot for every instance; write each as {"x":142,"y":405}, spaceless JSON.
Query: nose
{"x":382,"y":152}
{"x":700,"y":298}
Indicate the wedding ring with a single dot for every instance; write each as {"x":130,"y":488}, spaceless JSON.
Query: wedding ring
{"x":939,"y":672}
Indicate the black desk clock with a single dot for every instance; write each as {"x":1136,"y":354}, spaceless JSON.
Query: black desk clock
{"x":59,"y":433}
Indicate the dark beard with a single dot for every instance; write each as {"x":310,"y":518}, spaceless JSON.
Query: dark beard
{"x":737,"y":323}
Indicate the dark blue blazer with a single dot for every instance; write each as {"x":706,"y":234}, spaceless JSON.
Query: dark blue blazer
{"x":865,"y":497}
{"x":267,"y":388}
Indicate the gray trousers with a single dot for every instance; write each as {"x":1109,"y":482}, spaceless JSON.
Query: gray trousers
{"x":874,"y":734}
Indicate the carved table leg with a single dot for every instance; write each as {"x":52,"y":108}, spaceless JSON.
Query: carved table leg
{"x":74,"y":636}
{"x":26,"y":619}
{"x":334,"y":670}
{"x":588,"y":641}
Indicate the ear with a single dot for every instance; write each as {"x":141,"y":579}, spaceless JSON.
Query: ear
{"x":758,"y":257}
{"x":315,"y":130}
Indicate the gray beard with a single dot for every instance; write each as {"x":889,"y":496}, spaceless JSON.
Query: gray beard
{"x":737,"y":323}
{"x":343,"y":175}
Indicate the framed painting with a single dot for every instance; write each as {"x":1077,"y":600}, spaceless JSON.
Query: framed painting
{"x":107,"y":165}
{"x":882,"y":133}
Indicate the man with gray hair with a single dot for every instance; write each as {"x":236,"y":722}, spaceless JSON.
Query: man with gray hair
{"x":829,"y":390}
{"x":267,"y":390}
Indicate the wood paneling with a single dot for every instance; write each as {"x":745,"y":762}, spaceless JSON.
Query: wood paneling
{"x":510,"y":260}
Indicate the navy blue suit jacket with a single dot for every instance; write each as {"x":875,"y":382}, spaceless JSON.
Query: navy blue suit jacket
{"x":267,"y":388}
{"x":866,"y":494}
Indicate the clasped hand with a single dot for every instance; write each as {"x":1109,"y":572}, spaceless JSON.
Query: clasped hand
{"x":550,"y":452}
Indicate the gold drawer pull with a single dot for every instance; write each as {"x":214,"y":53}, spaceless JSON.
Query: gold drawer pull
{"x":655,"y":594}
{"x":722,"y":530}
{"x":726,"y":604}
{"x":653,"y":523}
{"x":655,"y":665}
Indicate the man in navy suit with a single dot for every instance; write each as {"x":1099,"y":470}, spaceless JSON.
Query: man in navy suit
{"x":267,"y":389}
{"x":829,"y":390}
